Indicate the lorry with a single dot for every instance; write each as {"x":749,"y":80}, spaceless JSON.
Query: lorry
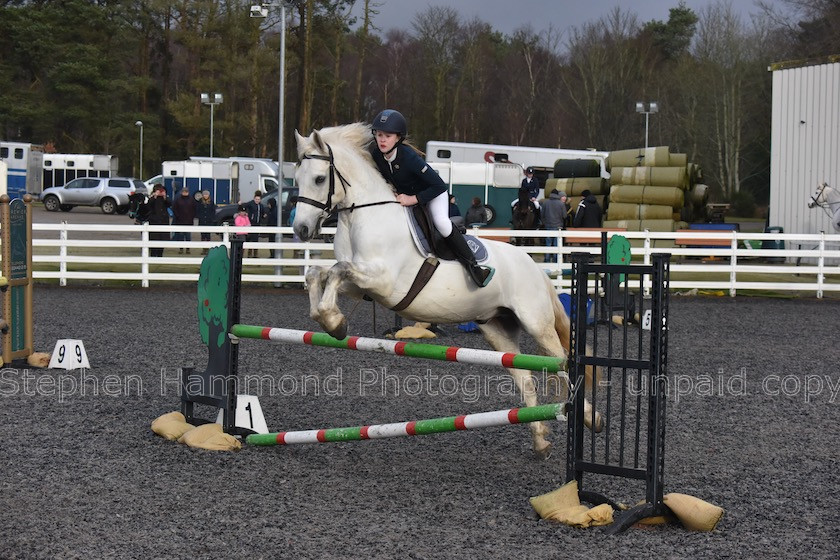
{"x":31,"y":170}
{"x":494,"y":172}
{"x":229,"y":180}
{"x":25,"y":163}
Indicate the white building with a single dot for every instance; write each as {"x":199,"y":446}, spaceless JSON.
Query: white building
{"x":805,"y":141}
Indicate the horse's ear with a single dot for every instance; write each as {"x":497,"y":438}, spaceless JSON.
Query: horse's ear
{"x":316,"y":139}
{"x":301,"y":141}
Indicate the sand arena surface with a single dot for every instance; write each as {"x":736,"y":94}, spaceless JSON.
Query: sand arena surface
{"x":752,"y":426}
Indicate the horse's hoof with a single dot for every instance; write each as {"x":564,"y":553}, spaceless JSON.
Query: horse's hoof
{"x":598,"y":425}
{"x":340,"y":332}
{"x":542,"y":452}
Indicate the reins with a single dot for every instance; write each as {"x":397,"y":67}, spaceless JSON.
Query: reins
{"x":328,"y":206}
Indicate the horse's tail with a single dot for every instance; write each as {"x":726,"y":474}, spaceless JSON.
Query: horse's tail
{"x":561,"y":320}
{"x":563,"y":327}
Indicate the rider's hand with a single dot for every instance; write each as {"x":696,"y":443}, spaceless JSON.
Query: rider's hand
{"x":407,"y":199}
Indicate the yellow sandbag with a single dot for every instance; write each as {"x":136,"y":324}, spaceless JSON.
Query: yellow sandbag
{"x":171,"y":425}
{"x":563,"y":505}
{"x":38,"y":359}
{"x":640,"y":156}
{"x":678,"y":160}
{"x":575,"y":186}
{"x":210,"y":436}
{"x":414,"y":331}
{"x":695,"y":514}
{"x":646,"y":194}
{"x":628,"y":211}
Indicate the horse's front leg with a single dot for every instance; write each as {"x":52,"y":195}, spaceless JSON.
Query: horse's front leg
{"x":314,"y":282}
{"x":346,"y":276}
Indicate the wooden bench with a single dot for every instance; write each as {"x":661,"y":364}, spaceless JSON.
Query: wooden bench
{"x":685,"y":238}
{"x":594,"y":239}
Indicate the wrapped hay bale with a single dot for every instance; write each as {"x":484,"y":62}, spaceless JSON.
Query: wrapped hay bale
{"x":629,"y":225}
{"x":678,"y":160}
{"x":630,"y":211}
{"x":577,"y":168}
{"x":658,"y":176}
{"x":647,"y":194}
{"x":575,"y":186}
{"x":658,"y":225}
{"x":656,"y":156}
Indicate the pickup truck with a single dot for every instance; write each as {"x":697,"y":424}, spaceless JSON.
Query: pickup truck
{"x":109,"y":193}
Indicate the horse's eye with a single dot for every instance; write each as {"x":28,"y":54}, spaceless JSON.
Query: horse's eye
{"x":319,"y":180}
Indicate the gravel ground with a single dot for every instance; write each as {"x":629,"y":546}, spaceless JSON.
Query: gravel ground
{"x":83,"y":476}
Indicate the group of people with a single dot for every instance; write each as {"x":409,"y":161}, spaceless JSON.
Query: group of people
{"x":158,"y":209}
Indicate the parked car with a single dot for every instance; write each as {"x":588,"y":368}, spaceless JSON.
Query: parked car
{"x":109,"y":193}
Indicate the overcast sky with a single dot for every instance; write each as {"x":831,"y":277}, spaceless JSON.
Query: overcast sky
{"x":508,"y":15}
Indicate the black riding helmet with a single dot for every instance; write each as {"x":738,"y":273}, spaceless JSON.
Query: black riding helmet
{"x":391,"y":121}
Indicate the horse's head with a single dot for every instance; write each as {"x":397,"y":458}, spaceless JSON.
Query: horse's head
{"x":322,"y":185}
{"x":819,"y":196}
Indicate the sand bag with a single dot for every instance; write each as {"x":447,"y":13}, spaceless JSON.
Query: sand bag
{"x":210,"y":436}
{"x":695,"y":514}
{"x":171,"y":426}
{"x":563,"y":505}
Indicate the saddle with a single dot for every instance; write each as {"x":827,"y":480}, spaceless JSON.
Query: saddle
{"x":431,"y":243}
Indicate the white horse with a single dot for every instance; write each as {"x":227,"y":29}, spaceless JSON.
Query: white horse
{"x":377,"y":257}
{"x":828,"y":199}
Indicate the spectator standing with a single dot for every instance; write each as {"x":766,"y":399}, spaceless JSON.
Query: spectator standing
{"x":241,"y":220}
{"x":476,"y":214}
{"x":205,"y":210}
{"x":554,"y":212}
{"x":256,"y":215}
{"x":183,"y":210}
{"x":455,"y":212}
{"x":158,"y":215}
{"x":588,"y":213}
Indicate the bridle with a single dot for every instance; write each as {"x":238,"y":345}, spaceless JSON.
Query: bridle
{"x":328,"y":205}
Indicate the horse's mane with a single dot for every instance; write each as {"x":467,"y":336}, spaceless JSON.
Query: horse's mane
{"x":356,"y":135}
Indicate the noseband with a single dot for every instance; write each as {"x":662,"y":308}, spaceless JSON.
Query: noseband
{"x":328,"y":205}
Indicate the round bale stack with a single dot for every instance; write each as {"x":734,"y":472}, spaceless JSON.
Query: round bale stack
{"x":573,"y":176}
{"x":653,"y":189}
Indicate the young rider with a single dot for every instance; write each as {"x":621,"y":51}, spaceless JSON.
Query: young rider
{"x":416,"y":182}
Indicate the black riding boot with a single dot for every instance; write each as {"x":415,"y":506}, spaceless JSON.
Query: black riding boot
{"x":481,"y":275}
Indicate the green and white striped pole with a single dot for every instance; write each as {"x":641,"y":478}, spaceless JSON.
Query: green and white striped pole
{"x":415,"y":428}
{"x":399,"y":348}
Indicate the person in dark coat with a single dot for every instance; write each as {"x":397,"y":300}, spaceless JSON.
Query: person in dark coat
{"x":554,"y":212}
{"x":158,"y":215}
{"x":531,"y":184}
{"x":417,"y":183}
{"x":183,"y":210}
{"x":588,"y":214}
{"x":256,"y":214}
{"x":205,"y":211}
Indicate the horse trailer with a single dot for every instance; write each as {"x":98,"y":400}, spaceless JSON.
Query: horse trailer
{"x":25,"y":162}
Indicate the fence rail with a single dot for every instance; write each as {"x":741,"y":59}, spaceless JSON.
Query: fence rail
{"x":809,"y":263}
